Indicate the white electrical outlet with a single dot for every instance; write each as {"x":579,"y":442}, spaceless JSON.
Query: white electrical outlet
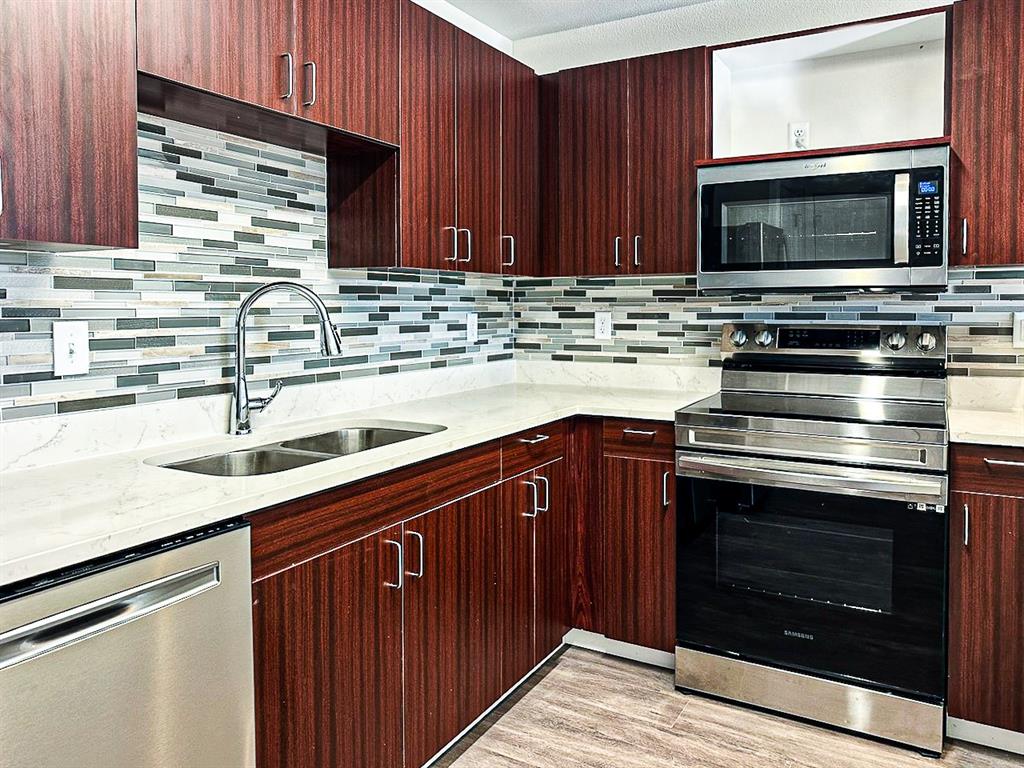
{"x":70,"y":347}
{"x":1018,"y":330}
{"x":800,"y":136}
{"x":602,"y":325}
{"x":472,"y":328}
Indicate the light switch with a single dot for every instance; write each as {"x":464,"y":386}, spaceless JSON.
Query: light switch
{"x":1018,"y":330}
{"x":70,"y":347}
{"x":472,"y":328}
{"x":602,"y":325}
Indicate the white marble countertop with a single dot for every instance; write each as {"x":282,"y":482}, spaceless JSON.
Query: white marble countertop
{"x":59,"y":515}
{"x":986,"y":427}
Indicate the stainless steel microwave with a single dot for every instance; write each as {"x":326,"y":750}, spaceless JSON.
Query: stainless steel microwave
{"x":877,"y":220}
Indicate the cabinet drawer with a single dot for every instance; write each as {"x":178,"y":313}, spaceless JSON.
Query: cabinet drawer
{"x":988,"y":469}
{"x":638,"y":439}
{"x":531,"y":448}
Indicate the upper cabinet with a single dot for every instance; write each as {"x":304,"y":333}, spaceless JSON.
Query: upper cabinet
{"x":520,"y":169}
{"x":987,"y":132}
{"x":67,"y":125}
{"x":333,"y":62}
{"x":629,"y":133}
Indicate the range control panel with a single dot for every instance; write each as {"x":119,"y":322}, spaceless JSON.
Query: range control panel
{"x":865,"y":342}
{"x":927,"y":217}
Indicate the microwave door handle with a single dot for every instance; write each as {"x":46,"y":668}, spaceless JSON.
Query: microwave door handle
{"x":901,"y":219}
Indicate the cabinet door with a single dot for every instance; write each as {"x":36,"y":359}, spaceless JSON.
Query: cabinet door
{"x":986,"y":610}
{"x":517,"y":578}
{"x":452,"y":621}
{"x":354,"y":47}
{"x":67,"y":124}
{"x":640,"y":540}
{"x":232,"y":47}
{"x":552,"y":540}
{"x":427,"y":156}
{"x":328,"y":659}
{"x":668,"y":132}
{"x":593,"y":170}
{"x":520,"y":178}
{"x":478,"y":154}
{"x":987,"y":131}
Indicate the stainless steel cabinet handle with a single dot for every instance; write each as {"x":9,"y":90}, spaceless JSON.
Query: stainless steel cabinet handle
{"x":84,"y":621}
{"x":310,"y":67}
{"x":418,"y":573}
{"x":618,"y":261}
{"x":1002,"y":463}
{"x":455,"y":243}
{"x":547,"y":494}
{"x":664,"y":489}
{"x":967,"y":525}
{"x":400,"y":581}
{"x":1,"y":185}
{"x":636,"y":250}
{"x":289,"y":76}
{"x":536,"y":499}
{"x":644,"y":432}
{"x":963,"y":236}
{"x":535,"y":440}
{"x":511,"y":250}
{"x":469,"y":245}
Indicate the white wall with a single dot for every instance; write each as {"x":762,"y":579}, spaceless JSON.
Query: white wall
{"x":890,"y":94}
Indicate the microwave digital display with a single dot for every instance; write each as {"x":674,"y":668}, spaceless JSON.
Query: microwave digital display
{"x":928,"y":187}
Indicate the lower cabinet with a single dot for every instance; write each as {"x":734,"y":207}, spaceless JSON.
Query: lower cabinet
{"x":551,"y":547}
{"x":328,"y":652}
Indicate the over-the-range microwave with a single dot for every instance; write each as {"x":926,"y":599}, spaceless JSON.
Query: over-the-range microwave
{"x":877,"y":220}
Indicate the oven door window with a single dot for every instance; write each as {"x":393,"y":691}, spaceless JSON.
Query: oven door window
{"x":814,"y":222}
{"x":846,"y":586}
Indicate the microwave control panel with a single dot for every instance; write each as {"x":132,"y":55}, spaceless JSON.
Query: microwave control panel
{"x":927,"y":216}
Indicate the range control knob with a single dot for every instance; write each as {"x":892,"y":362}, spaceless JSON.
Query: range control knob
{"x":764,"y":338}
{"x":738,"y":337}
{"x":896,"y":341}
{"x":926,"y":342}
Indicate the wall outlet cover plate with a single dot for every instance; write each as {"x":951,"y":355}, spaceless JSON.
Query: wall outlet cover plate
{"x":472,"y":328}
{"x":602,"y":325}
{"x":70,"y":347}
{"x":1018,"y":330}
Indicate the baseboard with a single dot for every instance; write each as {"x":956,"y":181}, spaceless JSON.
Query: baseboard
{"x":592,"y":641}
{"x":985,"y":735}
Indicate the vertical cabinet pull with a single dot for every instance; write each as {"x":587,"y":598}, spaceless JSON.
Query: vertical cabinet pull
{"x":547,"y":493}
{"x":400,"y":581}
{"x":636,"y":250}
{"x":289,"y":75}
{"x":618,"y":261}
{"x":665,"y":501}
{"x":963,"y":236}
{"x":469,"y":245}
{"x":536,"y":499}
{"x":310,"y":68}
{"x":967,"y":525}
{"x":418,"y":573}
{"x":511,"y":250}
{"x":455,"y":244}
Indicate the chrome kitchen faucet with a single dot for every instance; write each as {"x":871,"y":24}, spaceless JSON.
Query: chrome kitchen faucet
{"x":242,"y":405}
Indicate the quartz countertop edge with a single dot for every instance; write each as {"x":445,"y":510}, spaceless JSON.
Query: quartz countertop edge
{"x":986,"y":427}
{"x":58,"y":516}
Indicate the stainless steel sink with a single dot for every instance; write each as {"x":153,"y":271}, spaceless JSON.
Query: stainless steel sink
{"x":301,"y":451}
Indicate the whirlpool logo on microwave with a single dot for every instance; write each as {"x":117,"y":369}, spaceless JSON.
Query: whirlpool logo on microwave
{"x":794,"y":633}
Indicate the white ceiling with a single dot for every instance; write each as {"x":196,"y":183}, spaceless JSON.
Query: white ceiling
{"x":518,"y":19}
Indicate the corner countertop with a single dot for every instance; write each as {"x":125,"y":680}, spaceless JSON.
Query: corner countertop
{"x":986,"y":426}
{"x":57,"y":516}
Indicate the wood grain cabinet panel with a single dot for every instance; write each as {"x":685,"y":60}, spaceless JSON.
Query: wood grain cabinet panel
{"x":554,"y":527}
{"x":354,"y":46}
{"x":986,"y":610}
{"x":639,"y":515}
{"x":987,"y":131}
{"x":988,"y":469}
{"x":520,"y":169}
{"x":517,"y":578}
{"x":639,"y":439}
{"x":234,"y":48}
{"x":68,"y":166}
{"x":328,"y":660}
{"x":532,"y":447}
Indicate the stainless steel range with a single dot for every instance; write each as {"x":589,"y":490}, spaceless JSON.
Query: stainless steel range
{"x":812,"y":528}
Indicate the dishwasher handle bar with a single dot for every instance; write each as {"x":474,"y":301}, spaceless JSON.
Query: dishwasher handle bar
{"x":73,"y":625}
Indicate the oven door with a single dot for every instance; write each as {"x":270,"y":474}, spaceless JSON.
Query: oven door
{"x":845,"y":586}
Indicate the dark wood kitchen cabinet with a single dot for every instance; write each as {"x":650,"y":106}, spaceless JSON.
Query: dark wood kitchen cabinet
{"x":640,"y":534}
{"x":987,"y":130}
{"x":68,"y":172}
{"x":520,"y":169}
{"x":986,"y":587}
{"x":553,"y":529}
{"x":328,"y":659}
{"x":519,"y":502}
{"x":453,"y":630}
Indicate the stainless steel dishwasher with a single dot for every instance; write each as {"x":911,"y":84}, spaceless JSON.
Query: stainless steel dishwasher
{"x":143,"y":659}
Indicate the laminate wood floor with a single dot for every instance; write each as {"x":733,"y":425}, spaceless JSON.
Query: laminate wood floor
{"x":587,"y":710}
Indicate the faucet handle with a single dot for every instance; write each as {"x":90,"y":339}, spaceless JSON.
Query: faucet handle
{"x":259,"y":403}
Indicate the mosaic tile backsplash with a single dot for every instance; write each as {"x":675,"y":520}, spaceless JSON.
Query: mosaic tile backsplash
{"x":220,"y":215}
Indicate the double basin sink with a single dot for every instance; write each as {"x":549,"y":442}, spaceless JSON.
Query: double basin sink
{"x":300,"y":451}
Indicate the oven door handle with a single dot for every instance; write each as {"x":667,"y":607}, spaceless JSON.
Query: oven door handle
{"x":901,"y":219}
{"x":849,"y":481}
